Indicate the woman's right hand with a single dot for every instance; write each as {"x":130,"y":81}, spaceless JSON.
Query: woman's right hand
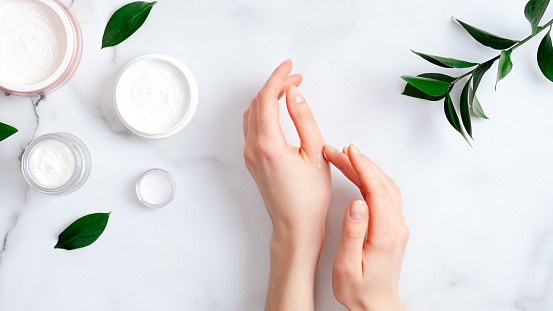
{"x":366,"y":271}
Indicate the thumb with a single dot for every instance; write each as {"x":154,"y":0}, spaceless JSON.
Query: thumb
{"x":349,"y":257}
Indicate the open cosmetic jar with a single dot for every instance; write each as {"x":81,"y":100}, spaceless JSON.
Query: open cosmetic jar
{"x":57,"y":163}
{"x":156,"y":96}
{"x":40,"y":46}
{"x":156,"y":188}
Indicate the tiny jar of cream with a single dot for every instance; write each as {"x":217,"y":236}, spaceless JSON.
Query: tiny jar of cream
{"x":156,"y":96}
{"x":156,"y":188}
{"x":57,"y":163}
{"x":40,"y":46}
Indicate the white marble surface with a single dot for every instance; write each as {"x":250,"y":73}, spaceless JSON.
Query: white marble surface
{"x":480,"y":218}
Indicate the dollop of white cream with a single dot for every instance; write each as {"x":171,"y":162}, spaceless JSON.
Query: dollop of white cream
{"x":156,"y":188}
{"x":152,"y":96}
{"x":33,"y":42}
{"x":52,"y":163}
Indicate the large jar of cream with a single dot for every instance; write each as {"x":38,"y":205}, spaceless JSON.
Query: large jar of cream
{"x":40,"y":46}
{"x":57,"y":163}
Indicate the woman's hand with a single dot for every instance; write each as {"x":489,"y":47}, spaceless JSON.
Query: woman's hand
{"x":295,"y":185}
{"x":366,"y":272}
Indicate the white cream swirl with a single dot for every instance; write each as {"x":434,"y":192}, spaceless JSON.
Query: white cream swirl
{"x":152,"y":96}
{"x":33,"y":42}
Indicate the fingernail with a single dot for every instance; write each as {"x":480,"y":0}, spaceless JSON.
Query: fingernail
{"x":331,"y":149}
{"x":345,"y":150}
{"x":286,"y":61}
{"x":355,"y":149}
{"x":295,"y":95}
{"x":358,"y":210}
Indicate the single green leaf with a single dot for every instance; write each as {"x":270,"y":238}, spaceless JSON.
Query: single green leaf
{"x":445,"y":62}
{"x":465,"y":109}
{"x":429,"y":86}
{"x":505,"y":65}
{"x":545,"y":56}
{"x":534,"y":11}
{"x":414,"y":92}
{"x":452,"y":117}
{"x":83,"y":232}
{"x":6,"y":131}
{"x":477,"y":108}
{"x":479,"y":73}
{"x":126,"y":21}
{"x":486,"y":38}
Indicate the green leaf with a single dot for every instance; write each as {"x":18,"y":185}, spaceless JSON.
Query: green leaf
{"x":452,"y":117}
{"x":445,"y":62}
{"x":488,"y":39}
{"x":534,"y":11}
{"x":6,"y":131}
{"x":479,"y":73}
{"x":505,"y":65}
{"x":545,"y":56}
{"x":428,"y":86}
{"x":465,"y":109}
{"x":83,"y":232}
{"x":414,"y":92}
{"x":126,"y":21}
{"x":477,"y":109}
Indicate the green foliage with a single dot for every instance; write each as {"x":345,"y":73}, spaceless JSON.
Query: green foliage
{"x":446,"y":62}
{"x":437,"y":86}
{"x":6,"y":131}
{"x":534,"y":11}
{"x":83,"y":232}
{"x":488,"y":39}
{"x":545,"y":56}
{"x":505,"y":65}
{"x":125,"y":22}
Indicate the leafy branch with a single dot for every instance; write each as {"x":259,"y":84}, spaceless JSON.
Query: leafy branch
{"x":437,"y":86}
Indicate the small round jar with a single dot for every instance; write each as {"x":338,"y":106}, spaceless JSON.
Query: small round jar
{"x":72,"y":49}
{"x":156,"y":188}
{"x":156,"y":96}
{"x":72,"y":147}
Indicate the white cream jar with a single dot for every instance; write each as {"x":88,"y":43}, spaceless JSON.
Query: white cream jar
{"x":156,"y":96}
{"x":40,"y":46}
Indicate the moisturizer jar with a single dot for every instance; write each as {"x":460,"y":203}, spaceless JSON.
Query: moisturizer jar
{"x":156,"y":188}
{"x":40,"y":46}
{"x":57,"y":163}
{"x":156,"y":96}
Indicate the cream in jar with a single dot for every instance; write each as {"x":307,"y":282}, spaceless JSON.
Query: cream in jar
{"x":52,"y":163}
{"x":156,"y":96}
{"x":40,"y":46}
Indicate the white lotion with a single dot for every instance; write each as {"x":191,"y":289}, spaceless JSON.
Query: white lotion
{"x":52,"y":164}
{"x":33,"y":42}
{"x":156,"y":188}
{"x":153,"y":96}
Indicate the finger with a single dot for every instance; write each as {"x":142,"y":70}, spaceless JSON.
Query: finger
{"x":267,"y":100}
{"x":295,"y":79}
{"x":341,"y":161}
{"x":252,"y":124}
{"x":311,"y":139}
{"x":373,"y":180}
{"x":349,"y":257}
{"x":245,"y":120}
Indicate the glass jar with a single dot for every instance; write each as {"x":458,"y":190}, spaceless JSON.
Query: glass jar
{"x":40,"y":162}
{"x":69,"y":64}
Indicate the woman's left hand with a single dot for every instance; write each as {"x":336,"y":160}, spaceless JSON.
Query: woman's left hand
{"x":295,"y":185}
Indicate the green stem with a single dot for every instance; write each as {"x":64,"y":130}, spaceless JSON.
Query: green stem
{"x":532,"y":35}
{"x":540,"y":29}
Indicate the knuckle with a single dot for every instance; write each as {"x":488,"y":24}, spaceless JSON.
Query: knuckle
{"x":341,"y":269}
{"x":353,"y":233}
{"x":249,"y":156}
{"x":265,"y":148}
